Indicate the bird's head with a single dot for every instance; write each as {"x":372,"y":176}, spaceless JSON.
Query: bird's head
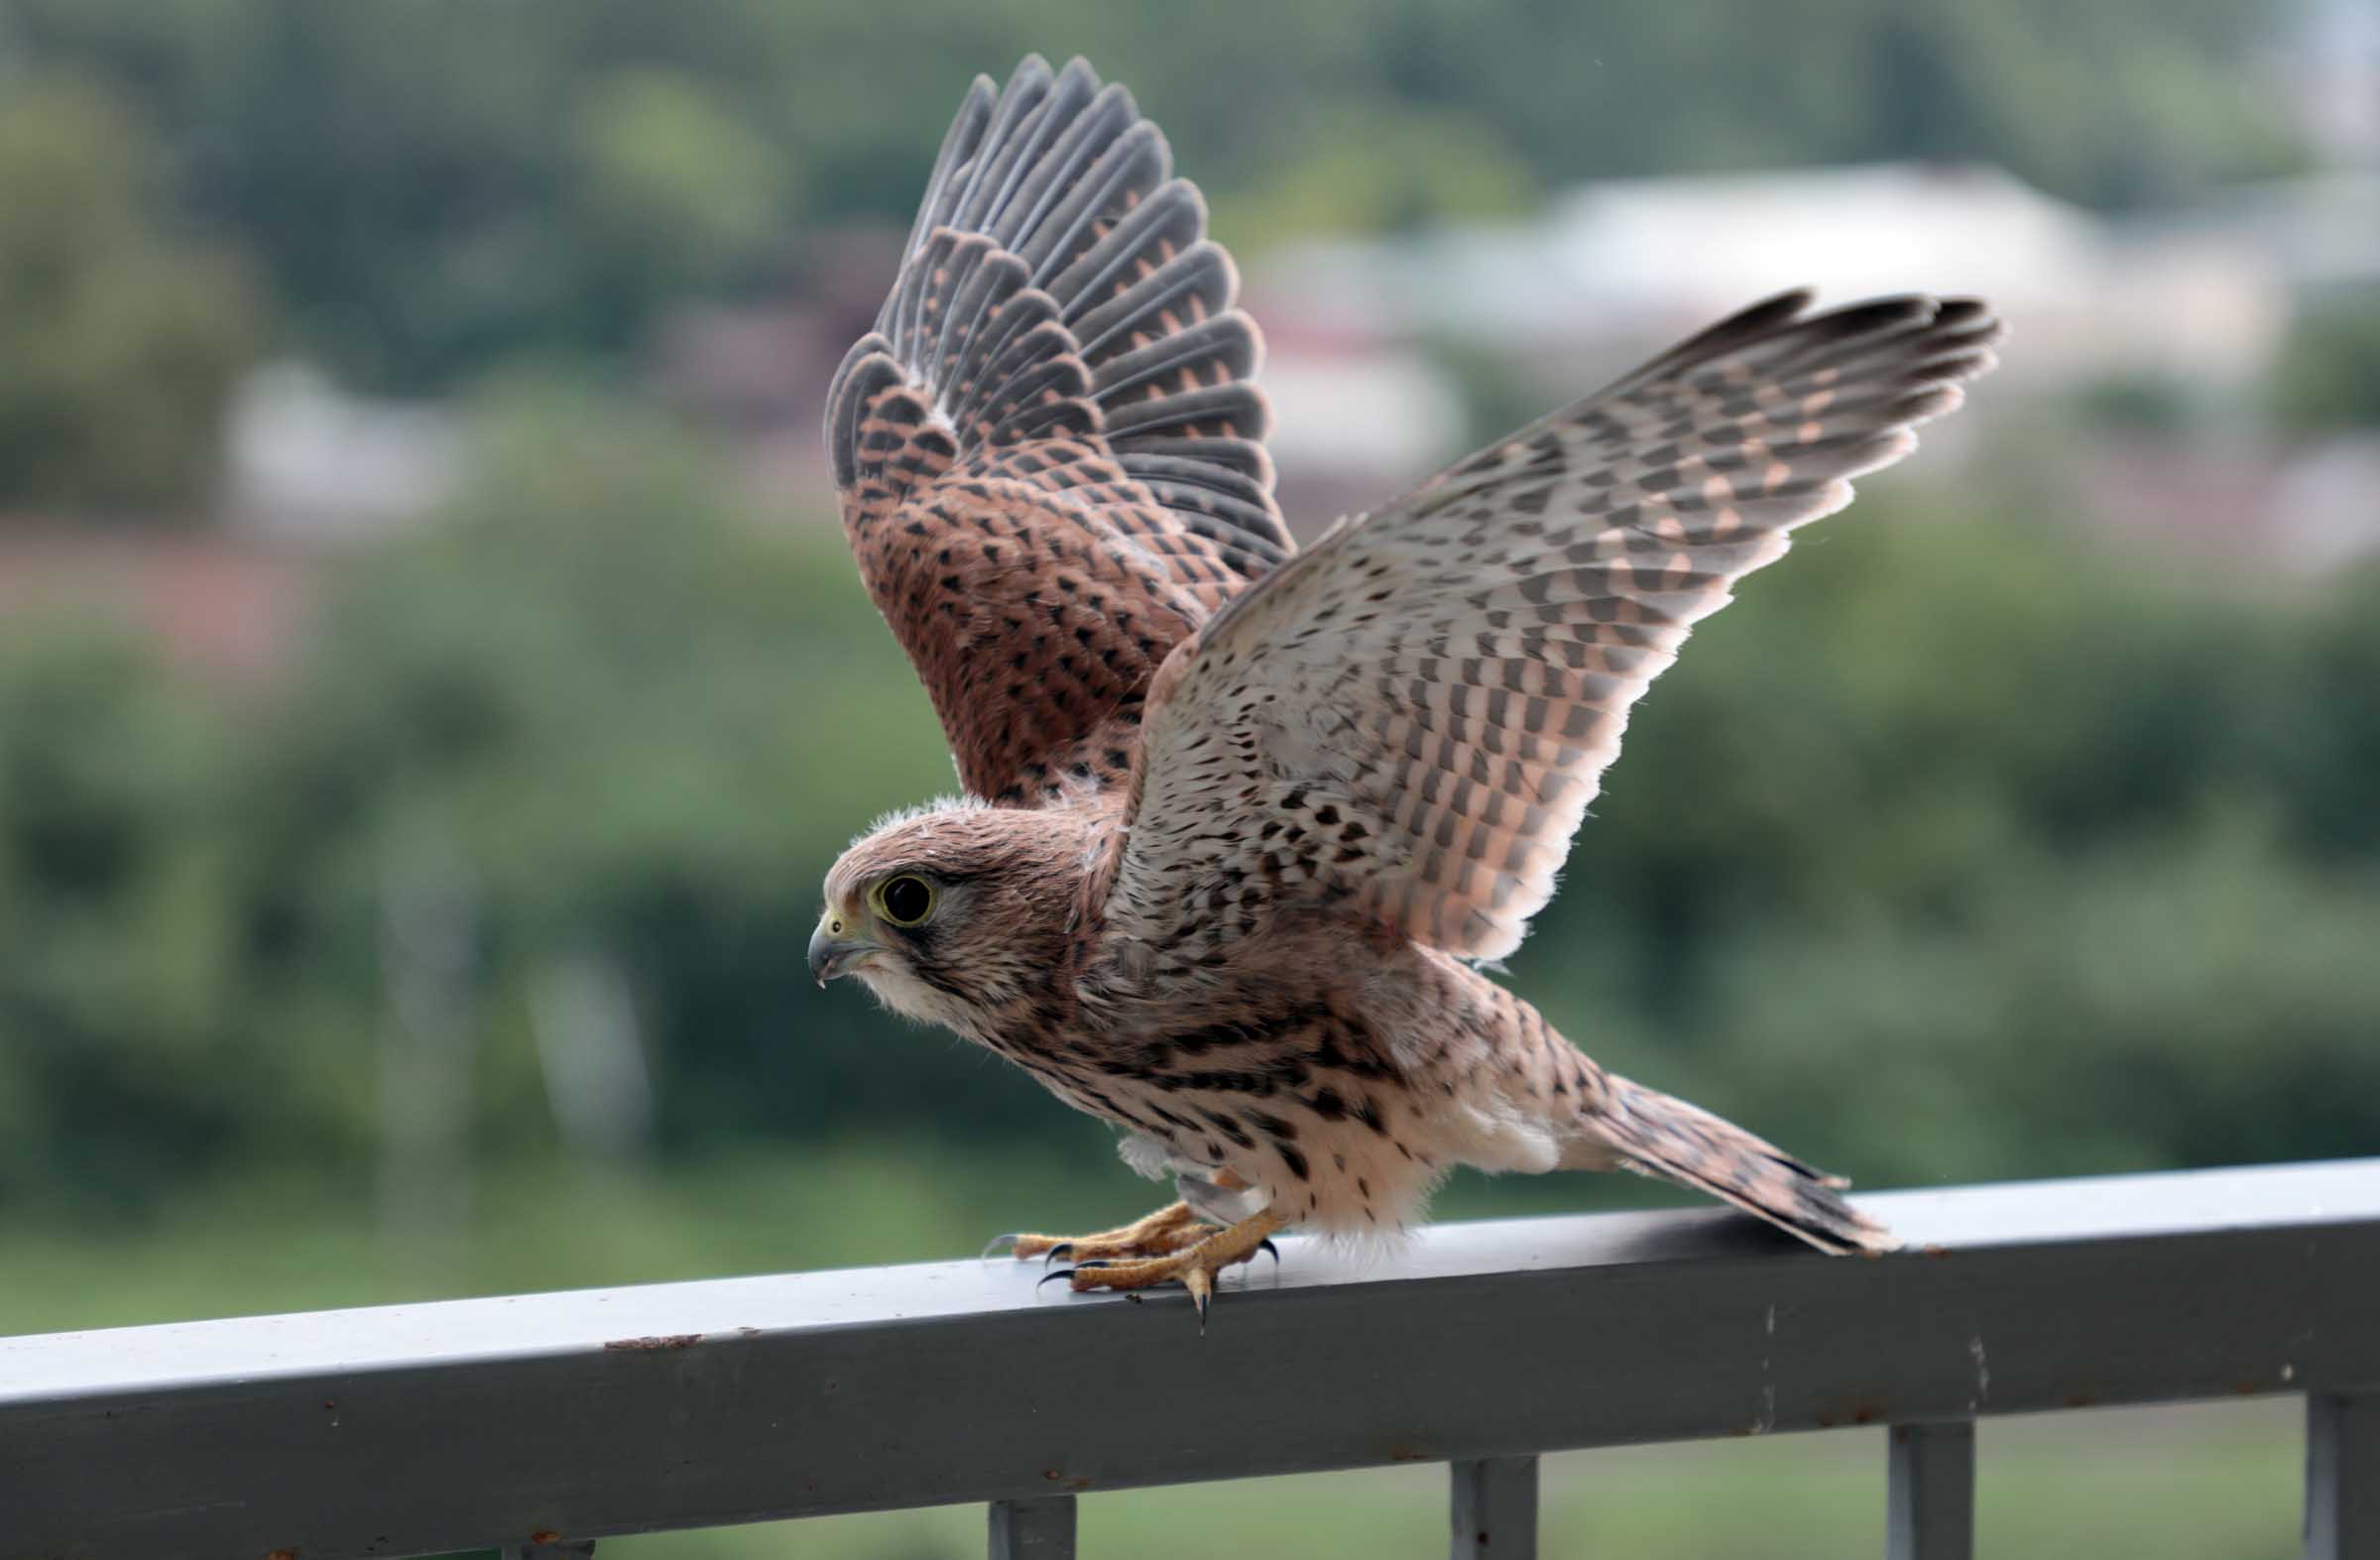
{"x":953,"y":915}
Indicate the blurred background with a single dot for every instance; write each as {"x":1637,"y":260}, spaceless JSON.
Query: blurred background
{"x":432,"y":684}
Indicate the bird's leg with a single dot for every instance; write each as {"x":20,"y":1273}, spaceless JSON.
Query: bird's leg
{"x":1167,"y":1230}
{"x":1193,"y":1267}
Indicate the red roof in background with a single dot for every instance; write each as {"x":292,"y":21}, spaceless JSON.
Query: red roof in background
{"x":226,"y":608}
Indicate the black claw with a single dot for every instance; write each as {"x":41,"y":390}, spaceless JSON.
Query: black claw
{"x":1068,"y":1273}
{"x":1058,"y":1253}
{"x":1202,"y":1300}
{"x":1265,"y":1245}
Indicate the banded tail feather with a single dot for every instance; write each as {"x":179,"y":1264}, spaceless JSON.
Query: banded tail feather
{"x":1661,"y":1135}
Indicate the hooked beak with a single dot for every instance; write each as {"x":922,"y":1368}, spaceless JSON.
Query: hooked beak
{"x":833,"y":956}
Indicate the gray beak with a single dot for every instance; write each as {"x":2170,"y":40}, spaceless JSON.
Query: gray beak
{"x":831,"y":956}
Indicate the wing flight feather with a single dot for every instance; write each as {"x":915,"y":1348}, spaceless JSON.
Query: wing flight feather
{"x":1412,"y":715}
{"x":1049,"y":450}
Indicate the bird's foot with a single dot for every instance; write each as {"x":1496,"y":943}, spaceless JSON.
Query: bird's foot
{"x":1194,"y":1267}
{"x":1171,"y":1229}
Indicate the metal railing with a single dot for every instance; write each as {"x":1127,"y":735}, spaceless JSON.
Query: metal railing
{"x":542,"y":1422}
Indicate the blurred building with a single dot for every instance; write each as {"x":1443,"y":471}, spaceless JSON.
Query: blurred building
{"x":220,"y":605}
{"x":307,"y":461}
{"x":2326,"y":70}
{"x":1386,"y":356}
{"x":1616,"y":269}
{"x":2188,"y":308}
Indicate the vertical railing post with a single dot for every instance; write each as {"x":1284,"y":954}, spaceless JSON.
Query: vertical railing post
{"x":1929,"y":1493}
{"x":1493,"y":1510}
{"x":1042,"y":1529}
{"x":2342,"y":1476}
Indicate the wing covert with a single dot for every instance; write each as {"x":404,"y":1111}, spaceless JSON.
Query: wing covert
{"x":1412,"y":716}
{"x":1049,"y":451}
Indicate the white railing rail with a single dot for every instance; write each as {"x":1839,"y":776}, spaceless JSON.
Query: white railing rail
{"x":541,"y":1422}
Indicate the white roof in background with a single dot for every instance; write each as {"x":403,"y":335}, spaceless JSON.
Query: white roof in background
{"x":307,"y":460}
{"x":1643,"y":249}
{"x":1388,"y":411}
{"x":2319,"y":230}
{"x":1850,"y":231}
{"x":1628,"y":262}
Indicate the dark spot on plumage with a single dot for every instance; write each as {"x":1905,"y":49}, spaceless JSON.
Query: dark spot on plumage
{"x":1228,"y":1128}
{"x":1227,"y":1081}
{"x":1272,"y":1125}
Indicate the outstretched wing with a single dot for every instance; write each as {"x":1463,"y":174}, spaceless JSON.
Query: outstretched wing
{"x":1412,"y":715}
{"x":1049,"y":449}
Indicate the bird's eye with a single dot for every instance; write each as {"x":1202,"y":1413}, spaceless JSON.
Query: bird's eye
{"x":905,"y":901}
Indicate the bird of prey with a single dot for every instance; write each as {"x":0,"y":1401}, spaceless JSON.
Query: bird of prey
{"x":1240,"y":823}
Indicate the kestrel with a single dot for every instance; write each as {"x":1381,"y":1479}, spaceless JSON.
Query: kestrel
{"x":1242,"y":821}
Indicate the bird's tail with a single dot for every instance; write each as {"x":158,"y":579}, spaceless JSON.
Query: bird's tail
{"x":1654,"y":1133}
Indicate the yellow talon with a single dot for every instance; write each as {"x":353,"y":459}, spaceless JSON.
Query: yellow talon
{"x":1193,"y":1267}
{"x":1168,"y":1229}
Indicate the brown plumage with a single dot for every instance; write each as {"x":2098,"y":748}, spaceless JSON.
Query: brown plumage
{"x":1238,"y":816}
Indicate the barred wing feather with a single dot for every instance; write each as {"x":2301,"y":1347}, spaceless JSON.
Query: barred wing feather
{"x":1049,"y":450}
{"x":1412,"y":716}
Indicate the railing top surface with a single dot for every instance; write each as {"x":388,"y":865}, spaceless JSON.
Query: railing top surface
{"x":1934,"y":1224}
{"x":422,"y":1429}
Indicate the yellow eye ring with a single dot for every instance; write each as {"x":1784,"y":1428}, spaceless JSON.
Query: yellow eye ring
{"x":905,"y":900}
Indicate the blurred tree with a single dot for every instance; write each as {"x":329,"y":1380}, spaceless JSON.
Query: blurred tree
{"x":1382,"y":171}
{"x":1953,"y":806}
{"x":2327,"y":378}
{"x":676,"y":190}
{"x":119,"y":340}
{"x":1961,"y":811}
{"x":435,"y":186}
{"x":2119,"y":103}
{"x":2153,"y":405}
{"x":1960,"y":845}
{"x":2195,"y":998}
{"x":647,"y":722}
{"x":119,"y":917}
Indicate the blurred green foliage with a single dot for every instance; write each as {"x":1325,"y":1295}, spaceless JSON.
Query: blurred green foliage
{"x":1961,"y":847}
{"x":1965,"y":846}
{"x":119,"y":338}
{"x":435,"y":186}
{"x":2327,"y":379}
